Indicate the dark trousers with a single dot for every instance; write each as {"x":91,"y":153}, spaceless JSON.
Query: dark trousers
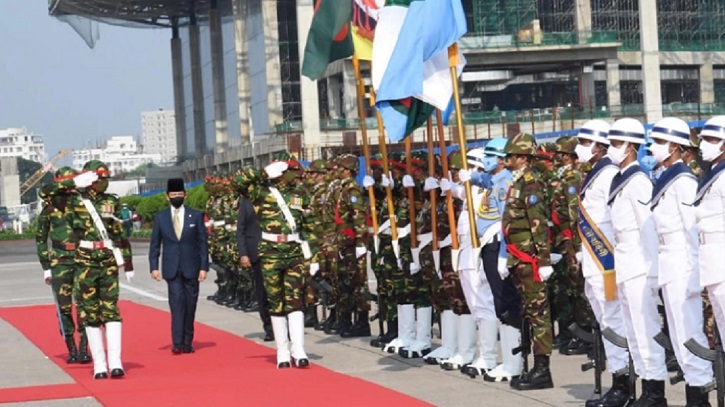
{"x":183,"y":296}
{"x":506,"y":298}
{"x":261,"y":295}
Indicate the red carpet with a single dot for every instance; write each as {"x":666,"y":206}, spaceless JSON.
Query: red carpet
{"x":224,"y":369}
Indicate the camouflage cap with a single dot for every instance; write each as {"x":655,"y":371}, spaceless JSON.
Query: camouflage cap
{"x":694,"y":139}
{"x":546,"y":151}
{"x":294,"y":171}
{"x":349,"y":162}
{"x":566,"y":144}
{"x":522,"y":144}
{"x":64,"y":173}
{"x":99,"y":167}
{"x":455,"y":160}
{"x":318,"y":166}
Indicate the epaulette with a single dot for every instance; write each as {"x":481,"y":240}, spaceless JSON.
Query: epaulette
{"x":528,"y":177}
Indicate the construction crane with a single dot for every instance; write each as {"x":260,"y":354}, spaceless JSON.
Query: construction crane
{"x":30,"y":182}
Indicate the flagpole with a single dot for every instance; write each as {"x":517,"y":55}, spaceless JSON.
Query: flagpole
{"x":411,"y":192}
{"x":453,"y":59}
{"x":452,"y":225}
{"x":431,"y":173}
{"x":360,"y":87}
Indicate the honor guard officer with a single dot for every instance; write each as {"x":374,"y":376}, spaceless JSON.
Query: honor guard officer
{"x":635,"y":254}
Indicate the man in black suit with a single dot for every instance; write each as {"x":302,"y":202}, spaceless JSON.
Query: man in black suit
{"x":248,"y":235}
{"x":184,"y":263}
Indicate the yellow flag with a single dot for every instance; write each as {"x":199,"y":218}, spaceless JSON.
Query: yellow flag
{"x":364,"y":20}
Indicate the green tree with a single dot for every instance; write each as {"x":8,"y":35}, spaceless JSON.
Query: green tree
{"x":148,"y":206}
{"x":196,"y":198}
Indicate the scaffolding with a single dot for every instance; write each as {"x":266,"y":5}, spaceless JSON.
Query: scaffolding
{"x":691,"y":25}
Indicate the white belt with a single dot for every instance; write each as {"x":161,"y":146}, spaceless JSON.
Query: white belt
{"x":402,"y":232}
{"x":96,"y":244}
{"x":711,"y":237}
{"x":271,"y":237}
{"x":628,"y":236}
{"x":371,"y":230}
{"x":230,"y":228}
{"x":218,"y":223}
{"x":425,"y":239}
{"x":445,"y":242}
{"x":672,"y":238}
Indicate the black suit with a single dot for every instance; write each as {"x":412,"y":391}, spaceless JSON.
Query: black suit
{"x":181,"y":262}
{"x":248,"y":236}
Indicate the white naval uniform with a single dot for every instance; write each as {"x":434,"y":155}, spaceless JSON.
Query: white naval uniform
{"x":711,"y":232}
{"x":635,"y":257}
{"x":607,"y":313}
{"x":679,"y":275}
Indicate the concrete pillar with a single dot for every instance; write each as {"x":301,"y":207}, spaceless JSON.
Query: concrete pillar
{"x":218,"y":83}
{"x":241,"y":12}
{"x":614,"y":96}
{"x":650,"y":60}
{"x":583,"y":11}
{"x":178,"y":80}
{"x":707,"y":82}
{"x":308,"y":87}
{"x":349,"y":91}
{"x":197,"y":89}
{"x":274,"y":78}
{"x":586,"y":87}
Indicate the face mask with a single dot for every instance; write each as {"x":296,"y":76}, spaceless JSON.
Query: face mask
{"x":584,"y":153}
{"x":710,"y":151}
{"x":617,"y":155}
{"x":176,"y":202}
{"x":660,"y":152}
{"x":490,"y":163}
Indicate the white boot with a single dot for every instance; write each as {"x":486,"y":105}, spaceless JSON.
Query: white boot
{"x":449,"y":341}
{"x":466,"y":344}
{"x":406,"y":329}
{"x":279,"y":327}
{"x":113,"y":340}
{"x":512,"y":364}
{"x":487,"y":350}
{"x":297,"y":336}
{"x":421,"y":345}
{"x":95,"y":344}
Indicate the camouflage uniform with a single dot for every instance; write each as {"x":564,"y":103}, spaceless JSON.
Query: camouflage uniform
{"x":525,"y":229}
{"x":59,"y":258}
{"x":328,"y":255}
{"x":315,"y":231}
{"x":451,"y":280}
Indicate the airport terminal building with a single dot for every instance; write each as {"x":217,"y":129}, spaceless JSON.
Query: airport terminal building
{"x":533,"y":65}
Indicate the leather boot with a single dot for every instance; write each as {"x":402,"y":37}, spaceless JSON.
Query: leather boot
{"x":95,"y":342}
{"x":562,"y":338}
{"x":421,"y":344}
{"x":406,"y":329}
{"x":70,"y":343}
{"x":344,"y":322}
{"x":360,"y":328}
{"x":330,"y":320}
{"x":487,"y":349}
{"x":83,"y":355}
{"x":653,"y":394}
{"x":537,"y":378}
{"x":387,"y":337}
{"x":219,"y":284}
{"x":296,"y":322}
{"x":242,"y":300}
{"x":252,"y":305}
{"x":576,"y":346}
{"x":311,"y":316}
{"x":617,"y":396}
{"x":281,"y":339}
{"x":113,"y":341}
{"x":449,"y":340}
{"x":695,"y":397}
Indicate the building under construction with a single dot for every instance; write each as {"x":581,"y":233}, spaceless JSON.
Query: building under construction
{"x":534,"y":65}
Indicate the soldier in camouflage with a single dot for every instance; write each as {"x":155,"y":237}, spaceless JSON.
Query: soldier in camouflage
{"x":58,"y":262}
{"x":526,"y":231}
{"x":317,"y":187}
{"x":103,"y":250}
{"x":328,"y":255}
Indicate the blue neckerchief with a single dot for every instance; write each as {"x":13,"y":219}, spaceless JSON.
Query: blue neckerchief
{"x":707,"y":181}
{"x":671,"y":174}
{"x":622,"y":179}
{"x":594,"y":173}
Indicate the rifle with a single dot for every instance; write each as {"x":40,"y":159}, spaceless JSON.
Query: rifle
{"x":324,"y":291}
{"x":717,"y":357}
{"x":598,"y":362}
{"x":525,"y":347}
{"x":664,"y":341}
{"x":621,"y":342}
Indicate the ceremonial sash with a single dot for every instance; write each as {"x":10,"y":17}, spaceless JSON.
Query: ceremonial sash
{"x":600,"y":249}
{"x":524,"y":257}
{"x":621,"y":180}
{"x":677,"y":170}
{"x":707,"y":181}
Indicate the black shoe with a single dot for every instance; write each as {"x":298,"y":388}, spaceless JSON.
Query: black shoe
{"x":83,"y":356}
{"x":268,"y":337}
{"x":251,"y":306}
{"x":214,"y":296}
{"x":304,"y":362}
{"x":358,"y":330}
{"x":617,"y":396}
{"x":311,"y":316}
{"x":695,"y":397}
{"x":537,"y":378}
{"x":188,"y":349}
{"x":283,"y":365}
{"x":562,"y":339}
{"x":176,"y":350}
{"x":70,"y":343}
{"x":117,"y":373}
{"x":671,"y":360}
{"x":388,"y":336}
{"x":325,"y":324}
{"x":98,"y":376}
{"x":653,"y":394}
{"x":576,"y":347}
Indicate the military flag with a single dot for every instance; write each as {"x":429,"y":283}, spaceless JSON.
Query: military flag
{"x":329,"y":38}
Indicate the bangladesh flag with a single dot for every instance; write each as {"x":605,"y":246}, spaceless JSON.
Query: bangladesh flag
{"x":403,"y":116}
{"x":329,"y":38}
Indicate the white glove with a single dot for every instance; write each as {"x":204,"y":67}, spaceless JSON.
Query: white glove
{"x":360,"y":251}
{"x":555,"y":258}
{"x":446,"y":184}
{"x":503,"y":269}
{"x":414,"y":268}
{"x":579,"y":256}
{"x":85,"y":179}
{"x":368,"y":181}
{"x":400,"y":264}
{"x":430,"y":184}
{"x":276,"y":169}
{"x":129,"y":276}
{"x":464,"y":175}
{"x":408,"y":181}
{"x":314,"y":268}
{"x":546,"y":272}
{"x":387,"y":181}
{"x":46,"y":276}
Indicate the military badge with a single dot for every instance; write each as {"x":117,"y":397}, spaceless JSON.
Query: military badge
{"x":571,"y":190}
{"x":532,"y":199}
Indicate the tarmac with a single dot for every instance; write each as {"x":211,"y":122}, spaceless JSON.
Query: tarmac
{"x":23,"y":364}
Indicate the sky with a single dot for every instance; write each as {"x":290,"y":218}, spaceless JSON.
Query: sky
{"x":53,"y":84}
